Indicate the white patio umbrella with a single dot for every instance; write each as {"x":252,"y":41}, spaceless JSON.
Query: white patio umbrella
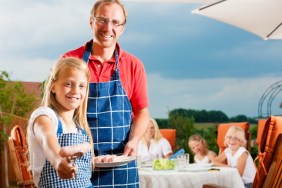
{"x":261,"y":17}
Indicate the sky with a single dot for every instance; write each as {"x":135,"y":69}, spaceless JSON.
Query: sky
{"x":192,"y":62}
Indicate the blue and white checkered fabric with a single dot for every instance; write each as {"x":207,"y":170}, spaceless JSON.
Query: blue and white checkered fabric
{"x":49,"y":176}
{"x":109,"y":115}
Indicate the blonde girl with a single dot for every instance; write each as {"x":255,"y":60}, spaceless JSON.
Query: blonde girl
{"x":153,"y":144}
{"x":199,"y":147}
{"x":58,"y":130}
{"x":236,"y":155}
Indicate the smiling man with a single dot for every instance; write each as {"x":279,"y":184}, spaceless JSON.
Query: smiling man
{"x":118,"y":99}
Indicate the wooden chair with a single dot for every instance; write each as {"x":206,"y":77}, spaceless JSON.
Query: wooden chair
{"x":267,"y":151}
{"x":274,"y":176}
{"x":222,"y":129}
{"x":210,"y":185}
{"x":170,"y":135}
{"x":18,"y":153}
{"x":261,"y":124}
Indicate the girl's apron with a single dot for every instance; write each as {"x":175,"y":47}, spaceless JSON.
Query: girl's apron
{"x":49,"y":176}
{"x":109,"y":116}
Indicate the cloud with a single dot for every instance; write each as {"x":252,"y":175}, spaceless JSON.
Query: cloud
{"x":229,"y":95}
{"x":191,"y":61}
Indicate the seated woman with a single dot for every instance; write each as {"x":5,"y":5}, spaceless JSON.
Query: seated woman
{"x":199,"y":147}
{"x":153,"y":145}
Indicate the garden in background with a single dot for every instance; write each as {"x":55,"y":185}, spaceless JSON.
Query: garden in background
{"x":188,"y":122}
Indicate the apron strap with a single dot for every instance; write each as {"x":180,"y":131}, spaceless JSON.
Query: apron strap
{"x":87,"y":52}
{"x":60,"y":127}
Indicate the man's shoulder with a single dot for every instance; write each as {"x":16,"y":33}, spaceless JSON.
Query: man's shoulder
{"x":77,"y":53}
{"x":130,"y":58}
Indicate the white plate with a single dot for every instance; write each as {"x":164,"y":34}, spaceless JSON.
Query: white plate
{"x":194,"y":169}
{"x":114,"y":164}
{"x":197,"y":165}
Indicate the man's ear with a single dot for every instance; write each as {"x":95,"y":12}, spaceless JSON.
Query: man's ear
{"x":91,"y":22}
{"x":122,"y":30}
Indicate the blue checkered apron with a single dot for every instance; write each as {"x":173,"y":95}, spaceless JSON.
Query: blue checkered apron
{"x":109,"y":115}
{"x":49,"y":176}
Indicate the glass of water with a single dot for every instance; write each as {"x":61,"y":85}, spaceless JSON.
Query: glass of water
{"x":182,"y":161}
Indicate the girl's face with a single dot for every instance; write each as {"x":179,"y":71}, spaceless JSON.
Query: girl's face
{"x":150,"y":132}
{"x":70,"y":88}
{"x":233,"y":142}
{"x":197,"y":147}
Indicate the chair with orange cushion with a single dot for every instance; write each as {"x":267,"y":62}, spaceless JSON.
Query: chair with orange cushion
{"x":18,"y":153}
{"x":261,"y":124}
{"x":222,"y":129}
{"x":170,"y":135}
{"x":274,"y":175}
{"x":267,"y":151}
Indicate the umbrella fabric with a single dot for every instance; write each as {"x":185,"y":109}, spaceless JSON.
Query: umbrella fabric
{"x":261,"y":17}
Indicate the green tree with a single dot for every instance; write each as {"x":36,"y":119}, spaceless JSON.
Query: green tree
{"x":183,"y":126}
{"x":14,"y":100}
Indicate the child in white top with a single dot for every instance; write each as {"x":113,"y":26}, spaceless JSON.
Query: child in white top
{"x":199,"y":147}
{"x":58,"y":130}
{"x":153,"y":144}
{"x":237,"y":156}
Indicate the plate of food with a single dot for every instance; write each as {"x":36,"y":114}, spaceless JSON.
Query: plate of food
{"x":107,"y":161}
{"x":163,"y":164}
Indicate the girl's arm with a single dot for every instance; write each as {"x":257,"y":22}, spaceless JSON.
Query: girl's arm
{"x":220,"y":160}
{"x":46,"y":136}
{"x":211,"y":155}
{"x":242,"y":163}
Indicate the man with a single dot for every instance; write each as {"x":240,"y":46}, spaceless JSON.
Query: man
{"x":118,"y":101}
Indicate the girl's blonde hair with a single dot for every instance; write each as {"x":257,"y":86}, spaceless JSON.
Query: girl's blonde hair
{"x":198,"y":138}
{"x":157,"y":134}
{"x":49,"y":97}
{"x":238,"y":132}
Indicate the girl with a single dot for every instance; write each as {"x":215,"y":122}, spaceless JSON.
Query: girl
{"x":236,"y":155}
{"x":153,"y":144}
{"x":61,"y":121}
{"x":199,"y":147}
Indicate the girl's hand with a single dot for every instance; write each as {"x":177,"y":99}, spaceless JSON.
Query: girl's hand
{"x":65,"y":169}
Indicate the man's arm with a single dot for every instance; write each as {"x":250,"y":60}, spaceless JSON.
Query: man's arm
{"x":139,"y":126}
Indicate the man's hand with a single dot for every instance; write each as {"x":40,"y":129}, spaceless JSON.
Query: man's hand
{"x":131,"y":148}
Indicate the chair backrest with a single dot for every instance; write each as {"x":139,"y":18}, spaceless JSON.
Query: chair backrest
{"x":222,"y":129}
{"x":261,"y":124}
{"x":170,"y":135}
{"x":267,"y":147}
{"x":18,"y":153}
{"x":274,"y":175}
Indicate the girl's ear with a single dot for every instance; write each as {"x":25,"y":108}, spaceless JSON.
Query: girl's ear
{"x":53,"y":88}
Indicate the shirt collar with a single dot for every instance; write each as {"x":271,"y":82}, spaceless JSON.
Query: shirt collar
{"x":112,"y":60}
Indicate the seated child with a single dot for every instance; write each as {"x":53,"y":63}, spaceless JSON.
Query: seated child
{"x":237,"y":156}
{"x":199,"y":147}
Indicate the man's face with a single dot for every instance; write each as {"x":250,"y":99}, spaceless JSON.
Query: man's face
{"x":107,"y":24}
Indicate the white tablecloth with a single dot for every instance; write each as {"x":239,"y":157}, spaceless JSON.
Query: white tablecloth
{"x":228,"y":177}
